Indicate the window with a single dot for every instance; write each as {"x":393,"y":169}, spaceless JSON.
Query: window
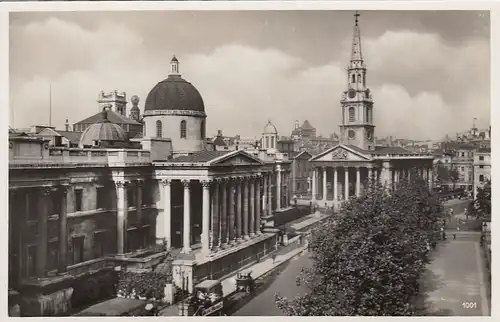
{"x":463,"y":169}
{"x":159,"y":129}
{"x":183,"y":129}
{"x":481,"y":158}
{"x":202,"y":129}
{"x":267,"y":142}
{"x":53,"y":250}
{"x":352,"y":115}
{"x":77,"y":249}
{"x":359,"y":78}
{"x":78,"y":199}
{"x":101,"y":244}
{"x":31,"y":261}
{"x":101,"y":198}
{"x":131,"y":196}
{"x":481,"y":166}
{"x":463,"y":154}
{"x":353,"y":78}
{"x":481,"y":178}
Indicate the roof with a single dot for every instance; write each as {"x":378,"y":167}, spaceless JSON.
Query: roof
{"x":201,"y":156}
{"x":102,"y":130}
{"x":73,"y":137}
{"x":270,"y":128}
{"x":113,"y":117}
{"x":207,"y":284}
{"x":219,"y":141}
{"x":484,"y":150}
{"x":307,"y":126}
{"x":174,"y":93}
{"x":355,"y":148}
{"x":113,"y":307}
{"x":391,"y":150}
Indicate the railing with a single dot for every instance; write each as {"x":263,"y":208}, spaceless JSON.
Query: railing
{"x":62,"y":156}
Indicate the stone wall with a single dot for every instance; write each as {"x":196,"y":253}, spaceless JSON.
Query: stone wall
{"x":231,"y":263}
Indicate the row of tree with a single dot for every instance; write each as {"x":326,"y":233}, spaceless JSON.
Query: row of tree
{"x":368,"y":260}
{"x":480,"y":207}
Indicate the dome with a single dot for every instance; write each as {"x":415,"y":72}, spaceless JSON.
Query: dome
{"x":102,"y":130}
{"x":270,"y":128}
{"x":174,"y":93}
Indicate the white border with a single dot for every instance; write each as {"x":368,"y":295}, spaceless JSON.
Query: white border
{"x":6,"y":7}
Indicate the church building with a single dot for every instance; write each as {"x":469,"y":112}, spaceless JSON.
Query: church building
{"x":345,"y":169}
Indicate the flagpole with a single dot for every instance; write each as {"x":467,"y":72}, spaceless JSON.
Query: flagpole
{"x":50,"y":104}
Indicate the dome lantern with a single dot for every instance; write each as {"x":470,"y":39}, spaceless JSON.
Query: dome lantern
{"x":174,"y":66}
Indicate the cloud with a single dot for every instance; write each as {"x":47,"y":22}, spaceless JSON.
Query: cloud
{"x":422,"y":87}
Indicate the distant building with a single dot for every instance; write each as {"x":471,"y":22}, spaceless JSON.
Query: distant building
{"x":482,"y":168}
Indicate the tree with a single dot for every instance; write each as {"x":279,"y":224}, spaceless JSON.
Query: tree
{"x":454,"y":176}
{"x":482,"y":204}
{"x":368,"y":261}
{"x":442,"y":173}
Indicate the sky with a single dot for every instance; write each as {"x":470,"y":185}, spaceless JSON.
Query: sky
{"x":428,"y":71}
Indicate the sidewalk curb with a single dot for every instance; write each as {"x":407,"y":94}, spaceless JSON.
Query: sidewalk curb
{"x":296,"y":252}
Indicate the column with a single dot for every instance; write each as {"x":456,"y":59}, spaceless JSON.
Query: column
{"x":239,"y":183}
{"x":245,"y":207}
{"x":314,"y":185}
{"x":223,"y":216}
{"x":264,"y":195}
{"x":186,"y":234}
{"x":370,"y":175}
{"x":252,"y":210}
{"x":257,"y":206}
{"x":335,"y":184}
{"x":121,"y":216}
{"x":324,"y":183}
{"x":167,"y":213}
{"x":231,"y":230}
{"x":63,"y":231}
{"x":278,"y":187}
{"x":205,"y":240}
{"x":358,"y":182}
{"x":216,"y":215}
{"x":270,"y":194}
{"x":43,"y":212}
{"x":431,"y":179}
{"x":139,"y":186}
{"x":346,"y":183}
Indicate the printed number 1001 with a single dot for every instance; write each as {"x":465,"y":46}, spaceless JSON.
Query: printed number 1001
{"x":469,"y":305}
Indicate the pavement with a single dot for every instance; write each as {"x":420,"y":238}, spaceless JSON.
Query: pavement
{"x":454,"y":283}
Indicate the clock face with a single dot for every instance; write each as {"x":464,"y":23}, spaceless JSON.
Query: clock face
{"x":351,"y":93}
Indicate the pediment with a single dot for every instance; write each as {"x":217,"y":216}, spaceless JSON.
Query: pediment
{"x":236,"y":159}
{"x":341,"y":153}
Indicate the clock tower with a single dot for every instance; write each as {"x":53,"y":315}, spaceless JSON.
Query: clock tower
{"x":357,"y":105}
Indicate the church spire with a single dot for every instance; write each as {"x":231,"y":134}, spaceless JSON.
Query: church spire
{"x":356,"y":52}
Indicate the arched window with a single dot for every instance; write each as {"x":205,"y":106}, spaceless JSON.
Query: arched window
{"x":481,"y":178}
{"x":353,"y":78}
{"x":352,"y":114}
{"x":183,"y":129}
{"x":267,"y":143}
{"x":158,"y":129}
{"x":359,"y":78}
{"x":202,"y":129}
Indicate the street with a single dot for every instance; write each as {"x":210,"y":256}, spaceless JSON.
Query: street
{"x":284,"y":283}
{"x":453,"y":282}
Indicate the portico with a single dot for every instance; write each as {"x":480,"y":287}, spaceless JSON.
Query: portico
{"x":215,"y":205}
{"x":345,"y":170}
